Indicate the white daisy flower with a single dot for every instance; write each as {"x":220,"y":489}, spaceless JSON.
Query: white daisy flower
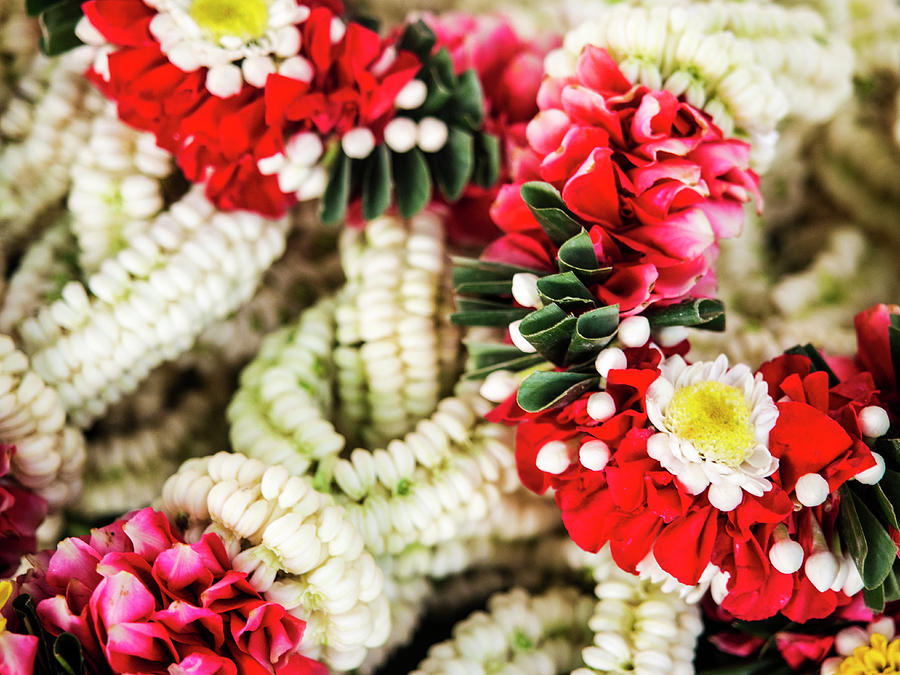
{"x":714,"y":424}
{"x":238,"y":40}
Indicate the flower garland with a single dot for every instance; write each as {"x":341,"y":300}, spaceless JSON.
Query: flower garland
{"x":297,"y":547}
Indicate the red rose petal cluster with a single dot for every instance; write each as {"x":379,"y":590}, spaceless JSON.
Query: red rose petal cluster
{"x":219,"y":141}
{"x":140,"y":600}
{"x":639,"y":508}
{"x":654,"y":179}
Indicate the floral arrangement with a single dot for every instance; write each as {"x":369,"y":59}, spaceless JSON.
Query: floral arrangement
{"x":552,"y":341}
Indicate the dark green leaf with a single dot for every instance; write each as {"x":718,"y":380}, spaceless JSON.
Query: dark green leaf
{"x":702,"y":313}
{"x":549,"y":329}
{"x":881,"y":552}
{"x":486,"y":357}
{"x":485,"y":287}
{"x":35,"y":7}
{"x":58,"y":27}
{"x":487,"y":160}
{"x":877,"y":500}
{"x":577,"y":255}
{"x":418,"y":38}
{"x":874,"y":598}
{"x":486,"y":269}
{"x":412,"y":181}
{"x":547,"y":205}
{"x":472,"y":312}
{"x":852,"y":534}
{"x":894,"y":337}
{"x":543,"y":390}
{"x":889,"y":448}
{"x":594,"y":330}
{"x":567,"y":291}
{"x":468,"y":101}
{"x":818,"y":363}
{"x":337,"y":192}
{"x":890,"y":485}
{"x":67,"y":654}
{"x":452,"y":165}
{"x":376,"y":183}
{"x":891,"y":587}
{"x":440,"y":79}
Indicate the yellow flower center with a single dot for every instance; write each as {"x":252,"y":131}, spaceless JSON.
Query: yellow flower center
{"x":246,"y":19}
{"x":876,"y":657}
{"x":715,"y":418}
{"x":5,"y":591}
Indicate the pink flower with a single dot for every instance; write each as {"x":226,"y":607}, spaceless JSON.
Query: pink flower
{"x":21,"y":512}
{"x":141,"y":600}
{"x":650,"y":175}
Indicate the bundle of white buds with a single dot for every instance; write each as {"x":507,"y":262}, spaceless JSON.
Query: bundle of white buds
{"x":149,"y":303}
{"x":296,"y":544}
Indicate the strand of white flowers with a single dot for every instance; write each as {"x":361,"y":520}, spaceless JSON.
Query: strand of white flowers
{"x":37,"y":277}
{"x":638,"y":628}
{"x":149,"y":303}
{"x":856,"y":165}
{"x":519,"y":633}
{"x":25,"y":90}
{"x":297,"y":545}
{"x":34,"y":172}
{"x":49,"y":454}
{"x":309,"y":269}
{"x":126,"y":469}
{"x":395,"y":273}
{"x":116,"y":188}
{"x":873,"y":28}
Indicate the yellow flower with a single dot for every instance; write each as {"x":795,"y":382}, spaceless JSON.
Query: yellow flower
{"x":6,"y":589}
{"x":878,"y":656}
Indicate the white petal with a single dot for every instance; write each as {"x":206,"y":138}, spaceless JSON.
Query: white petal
{"x":184,"y":57}
{"x":725,"y":496}
{"x":224,"y":80}
{"x":693,"y":479}
{"x":287,"y":41}
{"x":305,"y":148}
{"x":257,"y":69}
{"x":297,"y":68}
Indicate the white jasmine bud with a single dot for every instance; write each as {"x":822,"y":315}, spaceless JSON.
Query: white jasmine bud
{"x":524,"y":289}
{"x":518,"y":340}
{"x":412,"y":96}
{"x":874,"y":421}
{"x":499,"y":386}
{"x":358,"y":143}
{"x":553,"y":457}
{"x":873,"y":475}
{"x":821,"y":569}
{"x":811,"y":489}
{"x":634,"y":331}
{"x":433,"y":134}
{"x":611,"y":358}
{"x":601,"y":406}
{"x":594,"y":455}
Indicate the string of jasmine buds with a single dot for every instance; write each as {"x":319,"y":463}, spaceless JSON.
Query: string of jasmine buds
{"x":19,"y":39}
{"x":40,"y":275}
{"x":34,"y":172}
{"x":116,"y":188}
{"x":149,"y":303}
{"x":638,"y":627}
{"x":519,"y":632}
{"x":49,"y":454}
{"x":296,"y":544}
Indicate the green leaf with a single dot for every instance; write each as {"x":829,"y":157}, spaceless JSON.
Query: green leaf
{"x":567,"y":291}
{"x":543,"y":390}
{"x":440,"y":79}
{"x":594,"y":330}
{"x":874,"y":598}
{"x":412,"y":181}
{"x":852,"y":534}
{"x":58,"y":20}
{"x":337,"y":192}
{"x":701,"y":313}
{"x":35,"y":7}
{"x":577,"y":255}
{"x":549,"y":329}
{"x":890,"y":486}
{"x":418,"y":38}
{"x":889,"y":448}
{"x":880,"y":550}
{"x":453,"y":164}
{"x":67,"y":654}
{"x":876,"y":498}
{"x":377,"y":183}
{"x":487,"y":160}
{"x":547,"y":205}
{"x":476,"y":312}
{"x":468,"y":101}
{"x":487,"y":357}
{"x":891,"y":587}
{"x":894,"y":338}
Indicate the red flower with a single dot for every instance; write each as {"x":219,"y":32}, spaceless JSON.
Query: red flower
{"x":219,"y":141}
{"x":873,"y":352}
{"x":21,"y":513}
{"x":139,"y":599}
{"x":652,"y":176}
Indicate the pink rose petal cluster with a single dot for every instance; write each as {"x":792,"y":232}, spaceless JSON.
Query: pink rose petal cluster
{"x":650,"y":175}
{"x":141,"y":600}
{"x":21,"y":513}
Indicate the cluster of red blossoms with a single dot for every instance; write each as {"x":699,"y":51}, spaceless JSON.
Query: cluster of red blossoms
{"x":141,"y":600}
{"x":652,"y":178}
{"x":352,"y":82}
{"x":648,"y":517}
